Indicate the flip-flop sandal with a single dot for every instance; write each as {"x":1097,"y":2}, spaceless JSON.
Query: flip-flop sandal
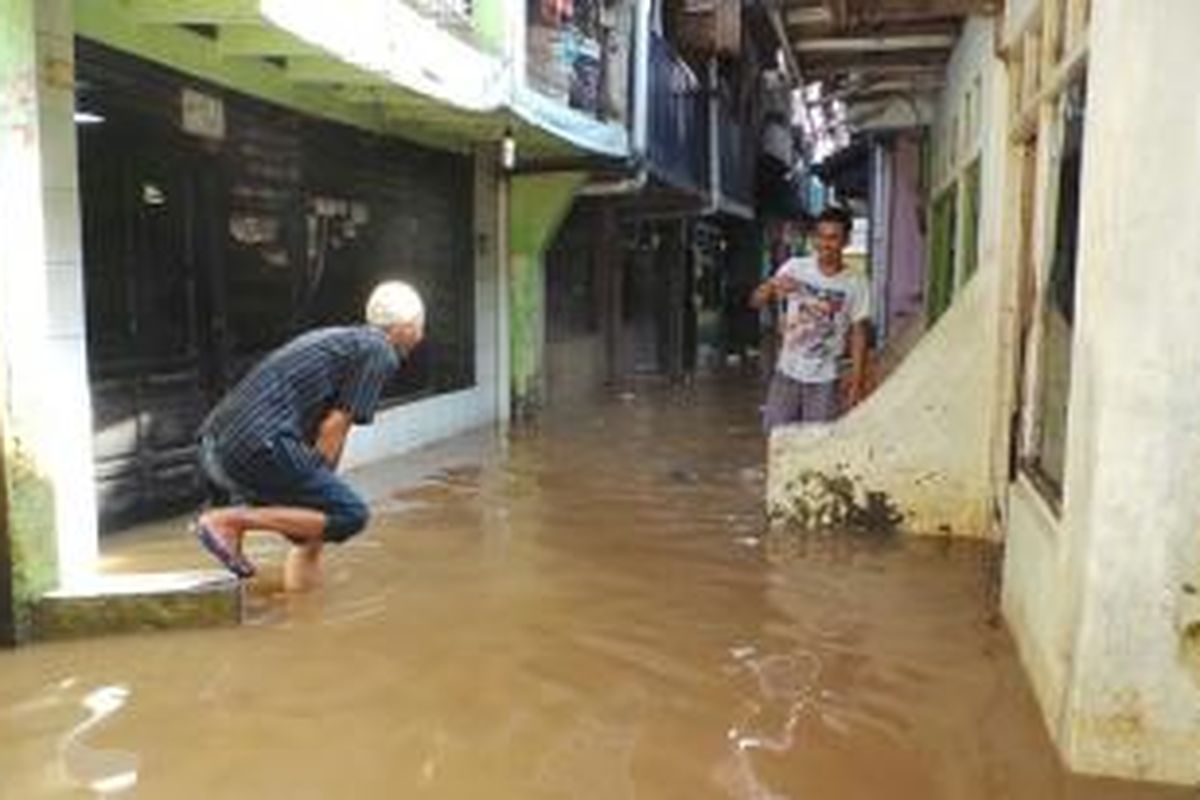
{"x":236,"y":564}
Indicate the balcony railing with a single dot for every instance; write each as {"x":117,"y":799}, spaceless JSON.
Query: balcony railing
{"x":677,"y":123}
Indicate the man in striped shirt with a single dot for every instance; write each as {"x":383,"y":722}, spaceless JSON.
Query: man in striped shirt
{"x":273,"y":443}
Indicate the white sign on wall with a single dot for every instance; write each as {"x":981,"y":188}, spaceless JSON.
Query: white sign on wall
{"x":203,"y":114}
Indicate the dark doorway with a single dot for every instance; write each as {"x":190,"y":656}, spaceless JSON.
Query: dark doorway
{"x":148,"y":218}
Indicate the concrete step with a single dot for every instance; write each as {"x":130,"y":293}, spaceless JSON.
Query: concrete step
{"x":129,"y":602}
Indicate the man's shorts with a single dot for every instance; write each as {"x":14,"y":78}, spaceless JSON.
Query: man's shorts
{"x":280,"y":481}
{"x":789,"y":401}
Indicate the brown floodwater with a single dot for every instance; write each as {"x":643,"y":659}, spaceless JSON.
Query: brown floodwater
{"x":586,"y":611}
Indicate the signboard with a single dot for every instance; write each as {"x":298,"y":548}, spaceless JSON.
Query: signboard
{"x":203,"y":114}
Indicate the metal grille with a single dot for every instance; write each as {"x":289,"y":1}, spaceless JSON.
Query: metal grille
{"x":203,"y":253}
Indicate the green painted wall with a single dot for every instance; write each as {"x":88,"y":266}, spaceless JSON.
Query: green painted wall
{"x":489,"y":17}
{"x":29,"y":524}
{"x":410,"y":115}
{"x":537,"y":206}
{"x":109,"y":22}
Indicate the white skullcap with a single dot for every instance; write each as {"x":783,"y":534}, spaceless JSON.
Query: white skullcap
{"x":394,"y":303}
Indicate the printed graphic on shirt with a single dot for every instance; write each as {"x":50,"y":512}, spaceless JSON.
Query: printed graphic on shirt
{"x":812,"y":326}
{"x":817,"y":314}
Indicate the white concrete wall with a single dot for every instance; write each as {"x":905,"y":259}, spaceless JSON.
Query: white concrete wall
{"x":973,"y":71}
{"x":1129,"y":544}
{"x":412,"y":425}
{"x":1034,"y":596}
{"x":921,"y":439}
{"x":41,"y":274}
{"x":925,"y":438}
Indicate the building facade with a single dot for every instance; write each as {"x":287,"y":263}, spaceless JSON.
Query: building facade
{"x":1043,"y":405}
{"x":193,"y":183}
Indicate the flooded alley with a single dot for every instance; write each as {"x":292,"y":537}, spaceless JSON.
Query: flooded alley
{"x":588,"y":611}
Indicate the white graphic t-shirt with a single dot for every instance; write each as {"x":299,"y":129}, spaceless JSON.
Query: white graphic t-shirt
{"x":816,"y":318}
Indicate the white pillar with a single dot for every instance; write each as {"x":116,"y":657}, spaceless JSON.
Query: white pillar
{"x":503,"y":337}
{"x":491,"y":283}
{"x":44,"y":346}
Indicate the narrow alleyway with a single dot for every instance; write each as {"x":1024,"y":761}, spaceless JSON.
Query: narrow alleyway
{"x":588,"y":611}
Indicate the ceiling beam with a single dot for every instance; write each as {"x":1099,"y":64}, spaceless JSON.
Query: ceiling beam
{"x":883,"y":86}
{"x":844,"y":60}
{"x":326,"y":70}
{"x":195,"y":12}
{"x":875,"y":16}
{"x":861,"y":98}
{"x":920,"y":8}
{"x":408,"y":109}
{"x":379,"y":95}
{"x":910,"y":71}
{"x":257,"y":41}
{"x":876,"y":44}
{"x":809,"y":16}
{"x":456,"y":131}
{"x":934,"y":25}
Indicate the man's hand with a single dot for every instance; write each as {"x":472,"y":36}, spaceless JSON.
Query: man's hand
{"x":331,"y":435}
{"x":856,"y":386}
{"x":855,"y":392}
{"x":785,"y":285}
{"x":773,"y":288}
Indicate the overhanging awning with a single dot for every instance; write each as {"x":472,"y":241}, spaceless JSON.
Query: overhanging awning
{"x":376,"y":64}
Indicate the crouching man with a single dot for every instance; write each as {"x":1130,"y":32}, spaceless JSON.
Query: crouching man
{"x":272,"y":445}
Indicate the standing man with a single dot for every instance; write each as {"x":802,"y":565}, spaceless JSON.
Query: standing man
{"x":825,"y":304}
{"x":273,"y":443}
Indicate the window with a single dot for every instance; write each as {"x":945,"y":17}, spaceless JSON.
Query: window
{"x":970,"y":212}
{"x":954,"y":222}
{"x":952,"y":152}
{"x":1047,"y":126}
{"x":1053,"y":386}
{"x":942,"y":252}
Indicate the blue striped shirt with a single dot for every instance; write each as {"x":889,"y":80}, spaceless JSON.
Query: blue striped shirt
{"x":277,"y":408}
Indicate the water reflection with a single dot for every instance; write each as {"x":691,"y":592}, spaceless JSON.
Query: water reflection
{"x":106,"y":772}
{"x":590,"y":611}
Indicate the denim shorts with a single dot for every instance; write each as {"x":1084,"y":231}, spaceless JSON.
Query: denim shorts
{"x":276,"y":481}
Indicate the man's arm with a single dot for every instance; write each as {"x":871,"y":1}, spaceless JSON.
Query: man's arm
{"x":762,"y":294}
{"x":773,"y":288}
{"x":857,"y":388}
{"x":331,"y":435}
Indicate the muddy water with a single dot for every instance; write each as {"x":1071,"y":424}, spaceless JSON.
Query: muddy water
{"x":589,"y":611}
